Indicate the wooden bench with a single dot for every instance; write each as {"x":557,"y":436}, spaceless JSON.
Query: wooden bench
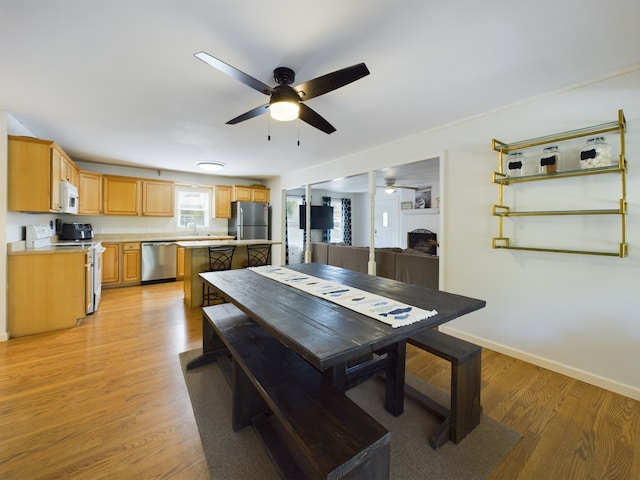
{"x":464,"y":412}
{"x":311,"y":429}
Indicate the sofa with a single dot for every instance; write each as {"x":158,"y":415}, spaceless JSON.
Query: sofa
{"x":409,"y":265}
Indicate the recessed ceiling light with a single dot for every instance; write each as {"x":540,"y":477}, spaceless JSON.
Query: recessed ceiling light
{"x":211,"y":166}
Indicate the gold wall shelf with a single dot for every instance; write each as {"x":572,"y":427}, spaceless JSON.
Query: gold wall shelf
{"x":501,"y":179}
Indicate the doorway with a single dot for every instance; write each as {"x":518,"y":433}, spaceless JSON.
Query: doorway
{"x":294,"y":242}
{"x":386,"y":222}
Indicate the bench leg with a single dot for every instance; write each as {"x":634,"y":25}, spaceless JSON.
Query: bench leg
{"x":212,"y":346}
{"x":247,"y":402}
{"x":465,"y":397}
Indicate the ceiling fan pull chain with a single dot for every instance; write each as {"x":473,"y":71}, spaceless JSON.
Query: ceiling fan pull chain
{"x":298,"y":136}
{"x":269,"y":129}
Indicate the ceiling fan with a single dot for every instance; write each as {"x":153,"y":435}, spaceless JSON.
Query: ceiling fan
{"x":390,"y":186}
{"x":286,"y":102}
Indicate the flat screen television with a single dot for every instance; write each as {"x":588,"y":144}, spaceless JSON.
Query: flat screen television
{"x":321,"y":217}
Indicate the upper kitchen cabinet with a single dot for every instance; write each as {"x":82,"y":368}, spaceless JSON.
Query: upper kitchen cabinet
{"x":221,"y":207}
{"x":137,"y":196}
{"x":244,"y":193}
{"x":121,"y":195}
{"x":35,"y":170}
{"x":158,"y":198}
{"x":90,"y":192}
{"x":260,"y":195}
{"x":240,"y":193}
{"x":69,"y":172}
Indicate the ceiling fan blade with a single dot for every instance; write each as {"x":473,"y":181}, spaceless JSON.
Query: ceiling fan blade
{"x":331,"y":81}
{"x":314,"y":119}
{"x":250,"y":114}
{"x":235,"y":73}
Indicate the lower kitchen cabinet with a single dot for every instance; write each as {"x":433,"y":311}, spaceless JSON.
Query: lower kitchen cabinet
{"x":46,"y":291}
{"x":131,"y":263}
{"x":121,"y":264}
{"x":110,"y":264}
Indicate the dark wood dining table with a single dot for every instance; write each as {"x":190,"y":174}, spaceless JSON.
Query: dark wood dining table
{"x":348,"y":347}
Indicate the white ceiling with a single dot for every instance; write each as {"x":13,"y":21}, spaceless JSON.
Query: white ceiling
{"x":115,"y":81}
{"x":410,"y":175}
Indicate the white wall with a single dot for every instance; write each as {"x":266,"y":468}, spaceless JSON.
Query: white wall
{"x":575,"y":314}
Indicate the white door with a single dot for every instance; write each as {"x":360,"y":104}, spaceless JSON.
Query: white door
{"x":386,"y":222}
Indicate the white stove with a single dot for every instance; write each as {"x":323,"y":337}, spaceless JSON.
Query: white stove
{"x":39,"y":236}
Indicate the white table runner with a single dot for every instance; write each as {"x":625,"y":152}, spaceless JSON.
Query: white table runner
{"x":384,"y":309}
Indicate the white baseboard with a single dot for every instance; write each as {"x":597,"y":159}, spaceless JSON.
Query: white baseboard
{"x":4,"y":336}
{"x":598,"y":381}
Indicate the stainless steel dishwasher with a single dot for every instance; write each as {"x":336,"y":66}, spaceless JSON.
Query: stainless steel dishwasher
{"x":158,"y":262}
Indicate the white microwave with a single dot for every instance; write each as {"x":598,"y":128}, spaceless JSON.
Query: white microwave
{"x":68,"y":197}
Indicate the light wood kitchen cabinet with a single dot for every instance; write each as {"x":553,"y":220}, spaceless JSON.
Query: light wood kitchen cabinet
{"x":62,"y":169}
{"x":35,"y":168}
{"x":158,"y":199}
{"x":130,"y":263}
{"x":69,"y":172}
{"x":38,"y":301}
{"x":121,"y":195}
{"x":90,"y":193}
{"x":241,"y":193}
{"x":56,"y":174}
{"x":180,"y":263}
{"x":110,"y":264}
{"x":255,"y":193}
{"x":221,"y":199}
{"x":260,"y":195}
{"x":121,"y":264}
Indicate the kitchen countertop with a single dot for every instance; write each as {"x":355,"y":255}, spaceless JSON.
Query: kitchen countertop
{"x":210,"y":243}
{"x":150,"y":237}
{"x":186,"y":241}
{"x":19,"y":248}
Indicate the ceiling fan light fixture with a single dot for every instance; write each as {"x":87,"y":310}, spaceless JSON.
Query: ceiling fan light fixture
{"x":390,"y":186}
{"x":284,"y":105}
{"x":210,"y":166}
{"x":284,"y":111}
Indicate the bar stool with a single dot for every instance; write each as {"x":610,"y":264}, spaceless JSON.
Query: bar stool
{"x":219,"y":259}
{"x":259,"y":255}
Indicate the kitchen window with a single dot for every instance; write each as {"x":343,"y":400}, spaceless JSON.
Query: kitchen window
{"x":193,"y":207}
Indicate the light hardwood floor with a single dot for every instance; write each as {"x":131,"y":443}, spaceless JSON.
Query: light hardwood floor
{"x":107,"y":400}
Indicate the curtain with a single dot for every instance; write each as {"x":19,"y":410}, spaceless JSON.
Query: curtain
{"x":326,"y":234}
{"x":286,"y":233}
{"x":346,"y":221}
{"x":304,"y":231}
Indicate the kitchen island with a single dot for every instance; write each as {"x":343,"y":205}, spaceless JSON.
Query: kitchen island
{"x":196,"y":260}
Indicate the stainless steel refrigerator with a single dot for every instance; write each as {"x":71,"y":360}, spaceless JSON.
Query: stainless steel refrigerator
{"x":249,"y":221}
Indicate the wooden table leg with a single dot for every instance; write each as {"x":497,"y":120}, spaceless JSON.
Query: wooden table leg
{"x":394,"y":392}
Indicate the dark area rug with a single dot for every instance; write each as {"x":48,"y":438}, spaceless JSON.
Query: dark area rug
{"x":240,"y":455}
